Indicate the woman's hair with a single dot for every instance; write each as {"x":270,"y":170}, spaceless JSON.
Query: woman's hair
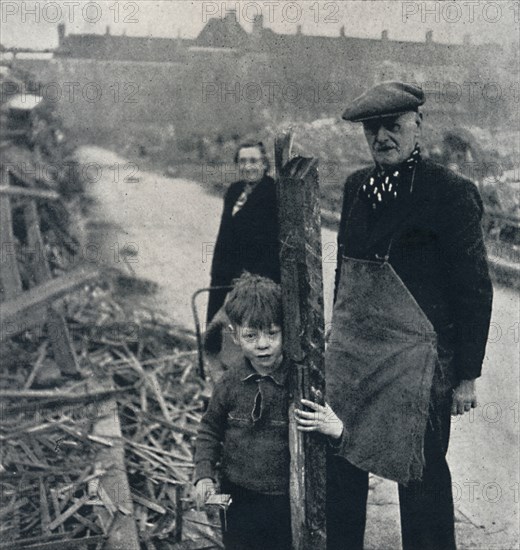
{"x":254,"y":301}
{"x":257,"y":144}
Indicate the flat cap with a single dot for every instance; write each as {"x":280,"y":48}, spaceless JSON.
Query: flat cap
{"x":389,"y":98}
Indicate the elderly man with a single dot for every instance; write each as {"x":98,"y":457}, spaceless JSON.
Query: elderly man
{"x":410,"y":323}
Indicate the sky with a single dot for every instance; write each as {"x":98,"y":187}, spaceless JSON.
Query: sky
{"x":33,"y":23}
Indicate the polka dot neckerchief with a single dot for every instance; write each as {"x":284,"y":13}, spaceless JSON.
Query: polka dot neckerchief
{"x":382,"y":188}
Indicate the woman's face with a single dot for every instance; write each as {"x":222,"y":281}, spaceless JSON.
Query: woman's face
{"x":251,"y":164}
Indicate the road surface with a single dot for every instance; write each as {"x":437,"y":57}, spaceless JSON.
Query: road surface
{"x":170,"y":226}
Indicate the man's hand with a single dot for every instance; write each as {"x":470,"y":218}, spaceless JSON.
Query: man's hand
{"x":464,"y":397}
{"x":322,"y":419}
{"x":203,"y":489}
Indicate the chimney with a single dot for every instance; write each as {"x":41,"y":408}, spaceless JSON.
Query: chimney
{"x":232,"y":15}
{"x":429,"y":37}
{"x":299,"y":29}
{"x":342,"y":31}
{"x":384,"y":35}
{"x":466,"y":40}
{"x":258,"y":24}
{"x":61,"y":33}
{"x":107,"y":30}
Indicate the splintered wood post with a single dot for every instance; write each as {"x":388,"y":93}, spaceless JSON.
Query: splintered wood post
{"x":10,"y":280}
{"x":59,"y":335}
{"x":304,"y":342}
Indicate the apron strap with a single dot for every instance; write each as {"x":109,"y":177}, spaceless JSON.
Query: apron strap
{"x":386,"y":257}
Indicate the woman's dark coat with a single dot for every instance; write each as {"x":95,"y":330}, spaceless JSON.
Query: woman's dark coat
{"x":247,"y":241}
{"x":438,"y":251}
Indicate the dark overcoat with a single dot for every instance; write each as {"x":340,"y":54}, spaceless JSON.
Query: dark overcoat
{"x":437,"y":250}
{"x":247,"y":241}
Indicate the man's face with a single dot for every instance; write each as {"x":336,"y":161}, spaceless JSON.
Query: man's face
{"x":263,"y":347}
{"x":392,"y":139}
{"x":251,"y":164}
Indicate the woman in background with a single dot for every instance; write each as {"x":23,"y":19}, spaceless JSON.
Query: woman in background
{"x":247,"y":241}
{"x":248,"y":235}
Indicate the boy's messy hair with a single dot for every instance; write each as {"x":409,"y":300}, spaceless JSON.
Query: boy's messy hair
{"x":254,"y":301}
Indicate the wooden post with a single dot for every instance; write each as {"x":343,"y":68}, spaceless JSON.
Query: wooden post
{"x":64,"y":353}
{"x":38,"y":267}
{"x":304,"y":343}
{"x":123,"y":531}
{"x":10,"y":280}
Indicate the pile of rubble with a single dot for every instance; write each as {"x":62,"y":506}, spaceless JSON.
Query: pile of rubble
{"x":103,"y":453}
{"x":50,"y":466}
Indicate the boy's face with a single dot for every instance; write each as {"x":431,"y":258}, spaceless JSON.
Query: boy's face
{"x":263,"y":347}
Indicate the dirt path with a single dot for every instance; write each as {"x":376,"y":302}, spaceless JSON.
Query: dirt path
{"x":171,"y":225}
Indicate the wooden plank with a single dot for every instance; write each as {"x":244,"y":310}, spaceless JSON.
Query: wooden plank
{"x":149,"y":504}
{"x":30,"y":308}
{"x":304,"y":342}
{"x":68,"y":544}
{"x":42,"y":351}
{"x":62,"y":344}
{"x":27,"y":166}
{"x":10,"y":280}
{"x":44,"y":506}
{"x":36,"y":258}
{"x":62,"y":396}
{"x":198,"y":544}
{"x":17,"y":191}
{"x":123,"y":533}
{"x":69,"y":512}
{"x":57,"y":327}
{"x":178,"y":512}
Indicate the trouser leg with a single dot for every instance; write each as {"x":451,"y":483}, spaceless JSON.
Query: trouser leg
{"x":347,"y":492}
{"x":256,"y":521}
{"x":427,"y":516}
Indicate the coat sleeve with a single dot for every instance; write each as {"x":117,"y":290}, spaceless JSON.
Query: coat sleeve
{"x":470,"y":289}
{"x":208,"y":446}
{"x":221,"y":260}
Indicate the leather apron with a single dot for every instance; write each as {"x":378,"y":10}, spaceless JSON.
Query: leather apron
{"x":380,"y":362}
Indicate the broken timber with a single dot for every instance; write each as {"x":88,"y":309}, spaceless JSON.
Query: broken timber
{"x":114,"y":487}
{"x":29,"y":309}
{"x":304,"y":344}
{"x":20,"y":310}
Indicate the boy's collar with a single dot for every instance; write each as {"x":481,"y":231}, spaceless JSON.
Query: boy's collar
{"x":279,"y":376}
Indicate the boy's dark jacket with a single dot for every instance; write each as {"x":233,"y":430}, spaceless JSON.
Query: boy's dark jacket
{"x":245,"y":429}
{"x":438,"y":251}
{"x":246,"y":241}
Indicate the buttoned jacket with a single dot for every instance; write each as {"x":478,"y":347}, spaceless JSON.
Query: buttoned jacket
{"x":244,"y":432}
{"x":437,"y":249}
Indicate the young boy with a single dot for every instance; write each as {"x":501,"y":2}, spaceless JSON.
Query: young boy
{"x":245,"y":428}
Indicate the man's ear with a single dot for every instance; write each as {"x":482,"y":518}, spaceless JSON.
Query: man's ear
{"x":418,"y":122}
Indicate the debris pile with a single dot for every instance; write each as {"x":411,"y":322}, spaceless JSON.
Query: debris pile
{"x":150,"y":368}
{"x":49,"y":487}
{"x":155,"y":364}
{"x":99,"y":400}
